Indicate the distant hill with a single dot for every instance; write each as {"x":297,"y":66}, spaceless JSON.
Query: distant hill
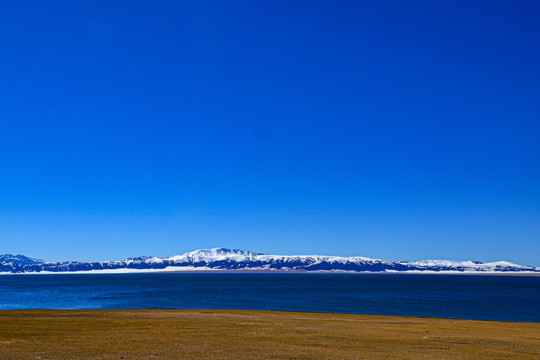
{"x":19,"y":259}
{"x":227,"y":259}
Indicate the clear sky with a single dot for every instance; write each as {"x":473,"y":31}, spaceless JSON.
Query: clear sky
{"x":400,"y":130}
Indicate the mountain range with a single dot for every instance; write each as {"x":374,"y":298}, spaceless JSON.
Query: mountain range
{"x":220,"y":259}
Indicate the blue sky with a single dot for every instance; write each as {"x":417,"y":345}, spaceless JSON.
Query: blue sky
{"x":390,"y":129}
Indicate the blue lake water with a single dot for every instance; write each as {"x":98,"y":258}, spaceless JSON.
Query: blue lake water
{"x":509,"y":298}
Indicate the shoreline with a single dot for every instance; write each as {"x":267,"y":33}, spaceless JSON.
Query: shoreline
{"x":263,"y":271}
{"x":240,"y":334}
{"x":5,"y":312}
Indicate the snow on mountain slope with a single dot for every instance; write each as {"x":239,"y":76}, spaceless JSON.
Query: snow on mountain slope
{"x":210,"y":255}
{"x":19,"y":259}
{"x":227,"y":259}
{"x":468,"y":265}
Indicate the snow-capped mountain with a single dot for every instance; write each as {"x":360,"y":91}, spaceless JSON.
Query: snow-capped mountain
{"x":227,"y":259}
{"x":19,"y":259}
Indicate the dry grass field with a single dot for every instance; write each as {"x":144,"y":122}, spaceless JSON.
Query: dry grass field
{"x":208,"y":334}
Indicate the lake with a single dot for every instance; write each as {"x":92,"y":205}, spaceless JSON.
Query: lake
{"x":482,"y":297}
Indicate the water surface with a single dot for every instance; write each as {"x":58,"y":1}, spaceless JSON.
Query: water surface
{"x":510,"y":298}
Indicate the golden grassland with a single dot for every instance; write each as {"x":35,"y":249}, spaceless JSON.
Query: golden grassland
{"x":225,"y":334}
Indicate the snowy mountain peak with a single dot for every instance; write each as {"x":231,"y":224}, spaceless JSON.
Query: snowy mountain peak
{"x":215,"y":254}
{"x":221,"y":252}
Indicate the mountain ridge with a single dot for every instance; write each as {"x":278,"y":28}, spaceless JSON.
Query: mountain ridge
{"x":236,"y":259}
{"x":19,"y":259}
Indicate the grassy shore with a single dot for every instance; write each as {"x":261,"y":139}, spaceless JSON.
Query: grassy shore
{"x":209,"y":334}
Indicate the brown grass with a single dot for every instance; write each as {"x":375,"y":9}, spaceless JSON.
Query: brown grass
{"x":208,"y":334}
